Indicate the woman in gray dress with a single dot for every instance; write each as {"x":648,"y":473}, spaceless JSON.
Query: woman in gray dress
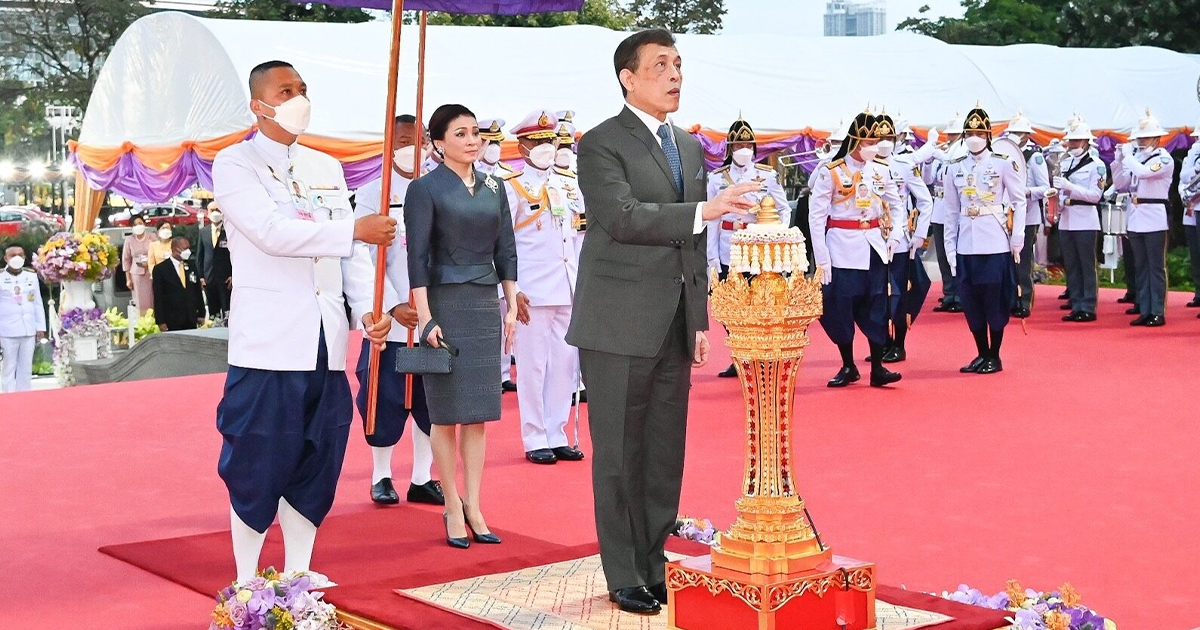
{"x":460,"y":246}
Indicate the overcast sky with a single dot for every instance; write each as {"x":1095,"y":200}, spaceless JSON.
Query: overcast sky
{"x":804,"y":17}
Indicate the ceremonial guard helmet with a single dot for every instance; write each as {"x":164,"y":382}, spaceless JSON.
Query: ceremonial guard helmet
{"x":955,"y":125}
{"x":492,"y":129}
{"x":884,"y":126}
{"x":1147,"y":127}
{"x":978,"y":120}
{"x":739,"y":131}
{"x":1019,"y":124}
{"x":1078,"y":129}
{"x":863,"y":127}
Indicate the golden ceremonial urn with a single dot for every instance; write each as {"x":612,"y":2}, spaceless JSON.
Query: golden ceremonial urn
{"x":770,"y":570}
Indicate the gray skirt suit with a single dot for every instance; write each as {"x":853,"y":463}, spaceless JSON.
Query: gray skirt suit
{"x":460,"y":246}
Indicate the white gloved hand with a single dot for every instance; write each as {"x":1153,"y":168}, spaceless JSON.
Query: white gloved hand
{"x":892,"y":247}
{"x":916,"y":245}
{"x":826,"y":273}
{"x":1016,"y":252}
{"x":934,"y":136}
{"x":1126,"y":150}
{"x":1062,"y":183}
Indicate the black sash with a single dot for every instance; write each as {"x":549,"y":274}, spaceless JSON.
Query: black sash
{"x":1087,"y":159}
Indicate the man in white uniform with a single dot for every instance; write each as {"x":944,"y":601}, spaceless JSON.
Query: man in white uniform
{"x":547,"y":267}
{"x":1146,"y":174}
{"x":286,"y":412}
{"x":935,"y":173}
{"x":1037,"y":182}
{"x":391,"y":415}
{"x":1190,"y":193}
{"x":1079,"y":189}
{"x":491,"y":132}
{"x":22,"y":320}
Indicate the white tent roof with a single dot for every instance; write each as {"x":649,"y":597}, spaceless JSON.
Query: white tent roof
{"x":173,"y":77}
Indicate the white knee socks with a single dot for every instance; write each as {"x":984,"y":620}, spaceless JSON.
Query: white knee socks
{"x":299,"y":534}
{"x":382,"y":457}
{"x":422,"y":457}
{"x":247,"y":545}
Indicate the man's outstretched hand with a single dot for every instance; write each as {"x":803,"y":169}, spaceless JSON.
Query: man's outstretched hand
{"x":731,"y":199}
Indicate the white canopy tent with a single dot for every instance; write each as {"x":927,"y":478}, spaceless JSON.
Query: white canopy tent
{"x":174,"y":78}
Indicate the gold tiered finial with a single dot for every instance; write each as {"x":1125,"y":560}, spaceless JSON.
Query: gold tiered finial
{"x":767,"y":213}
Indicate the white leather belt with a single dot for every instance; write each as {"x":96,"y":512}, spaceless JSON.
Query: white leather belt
{"x":974,"y":211}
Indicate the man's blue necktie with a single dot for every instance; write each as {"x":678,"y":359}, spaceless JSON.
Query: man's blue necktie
{"x":672,"y":153}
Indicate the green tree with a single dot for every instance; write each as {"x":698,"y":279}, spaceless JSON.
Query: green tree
{"x":26,"y":134}
{"x":680,"y":16}
{"x":287,"y":11}
{"x":60,"y":45}
{"x":994,"y":23}
{"x":607,"y":13}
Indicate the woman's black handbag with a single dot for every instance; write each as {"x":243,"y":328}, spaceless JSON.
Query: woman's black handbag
{"x":425,"y":359}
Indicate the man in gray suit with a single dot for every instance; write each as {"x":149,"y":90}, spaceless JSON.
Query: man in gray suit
{"x":640,"y":311}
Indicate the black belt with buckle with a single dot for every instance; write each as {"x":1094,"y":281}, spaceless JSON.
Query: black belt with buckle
{"x":1142,"y":200}
{"x":1072,"y":202}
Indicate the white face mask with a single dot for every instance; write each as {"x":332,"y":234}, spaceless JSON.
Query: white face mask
{"x":185,"y":254}
{"x":743,"y":156}
{"x":885,"y":147}
{"x":541,"y":156}
{"x":164,"y":234}
{"x":975,"y":144}
{"x":491,"y":153}
{"x":1145,"y":148}
{"x":16,"y":262}
{"x":868,"y":153}
{"x":215,"y":217}
{"x":293,"y":114}
{"x":139,"y":230}
{"x":403,"y":158}
{"x":1076,"y":152}
{"x":562,"y":157}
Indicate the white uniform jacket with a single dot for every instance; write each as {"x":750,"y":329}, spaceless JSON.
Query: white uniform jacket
{"x":543,"y":223}
{"x":395,"y":279}
{"x":1145,"y":177}
{"x":980,"y":192}
{"x":291,"y":243}
{"x":1086,"y":175}
{"x":720,"y":230}
{"x":849,"y":190}
{"x":21,"y":312}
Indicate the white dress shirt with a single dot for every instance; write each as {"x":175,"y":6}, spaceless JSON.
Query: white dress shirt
{"x":653,"y":124}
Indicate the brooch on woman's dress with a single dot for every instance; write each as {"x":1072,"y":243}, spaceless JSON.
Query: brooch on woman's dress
{"x":491,"y":184}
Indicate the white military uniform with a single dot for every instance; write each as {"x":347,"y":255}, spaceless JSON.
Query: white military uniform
{"x":849,"y":190}
{"x":1145,"y":176}
{"x":978,"y":192}
{"x":914,"y":197}
{"x":491,"y":130}
{"x":1037,"y":182}
{"x":395,"y":283}
{"x":291,"y":240}
{"x":547,"y":266}
{"x":1188,"y":172}
{"x":722,"y":229}
{"x":1086,"y":175}
{"x":21,"y":319}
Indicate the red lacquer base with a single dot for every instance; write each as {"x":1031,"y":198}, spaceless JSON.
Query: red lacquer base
{"x":702,"y":597}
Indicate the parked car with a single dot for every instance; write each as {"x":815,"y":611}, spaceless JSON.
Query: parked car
{"x":13,"y":220}
{"x":155,"y":214}
{"x":35,"y":213}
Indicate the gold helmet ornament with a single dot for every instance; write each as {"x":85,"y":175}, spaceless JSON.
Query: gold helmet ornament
{"x":739,"y":132}
{"x":978,"y":120}
{"x":863,"y":127}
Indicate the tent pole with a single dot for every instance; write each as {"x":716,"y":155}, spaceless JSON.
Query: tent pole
{"x":417,"y":163}
{"x":389,"y":147}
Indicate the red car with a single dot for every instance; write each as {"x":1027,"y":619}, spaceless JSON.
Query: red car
{"x":13,"y":219}
{"x":37,"y":214}
{"x":173,"y":214}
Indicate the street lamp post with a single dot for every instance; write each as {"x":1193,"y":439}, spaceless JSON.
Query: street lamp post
{"x":62,"y":119}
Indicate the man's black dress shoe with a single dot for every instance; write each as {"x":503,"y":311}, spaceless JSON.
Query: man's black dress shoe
{"x":541,"y":456}
{"x":429,"y":492}
{"x":990,"y":365}
{"x":1125,"y":299}
{"x":659,"y":591}
{"x":1140,"y":321}
{"x":1065,"y":295}
{"x":1065,"y":307}
{"x":895,"y":354}
{"x":567,"y":453}
{"x":508,"y":386}
{"x":729,"y":372}
{"x":973,"y":366}
{"x":1194,"y":303}
{"x":1133,"y":311}
{"x":384,"y":493}
{"x":844,"y":377}
{"x":1079,"y":316}
{"x":457,"y":543}
{"x":883,"y":377}
{"x":1020,"y":312}
{"x":944,"y":307}
{"x":635,"y":599}
{"x":1155,"y":320}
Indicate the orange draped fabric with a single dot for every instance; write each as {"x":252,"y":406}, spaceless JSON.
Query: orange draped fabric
{"x":87,"y":205}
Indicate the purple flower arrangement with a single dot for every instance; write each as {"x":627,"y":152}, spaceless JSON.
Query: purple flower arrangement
{"x":90,"y":257}
{"x":275,"y":601}
{"x":698,"y":530}
{"x":78,"y":324}
{"x":1032,"y":610}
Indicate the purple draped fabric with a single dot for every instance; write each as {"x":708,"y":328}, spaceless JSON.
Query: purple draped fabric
{"x":490,"y":7}
{"x":714,"y":150}
{"x":137,"y":182}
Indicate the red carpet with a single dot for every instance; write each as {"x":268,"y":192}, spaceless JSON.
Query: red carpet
{"x":356,"y":552}
{"x":1076,"y":463}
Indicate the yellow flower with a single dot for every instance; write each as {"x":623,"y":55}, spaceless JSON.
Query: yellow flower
{"x":1057,"y":620}
{"x":221,"y":618}
{"x":1070,"y":596}
{"x":284,"y":619}
{"x":244,"y":595}
{"x":1016,"y":594}
{"x":1109,"y":624}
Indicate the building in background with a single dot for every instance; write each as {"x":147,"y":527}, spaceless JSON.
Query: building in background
{"x":855,"y":19}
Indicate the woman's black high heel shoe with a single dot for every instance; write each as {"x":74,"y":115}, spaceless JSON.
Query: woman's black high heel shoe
{"x":484,"y":539}
{"x":457,"y":543}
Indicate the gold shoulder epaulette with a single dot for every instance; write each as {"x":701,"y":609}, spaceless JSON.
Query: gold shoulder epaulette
{"x":834,"y":164}
{"x":882,"y":161}
{"x":510,"y":175}
{"x":958,"y":159}
{"x":564,"y":172}
{"x":721,"y":170}
{"x":763,"y":167}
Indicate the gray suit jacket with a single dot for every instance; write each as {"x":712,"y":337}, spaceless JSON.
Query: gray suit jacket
{"x":639,"y":253}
